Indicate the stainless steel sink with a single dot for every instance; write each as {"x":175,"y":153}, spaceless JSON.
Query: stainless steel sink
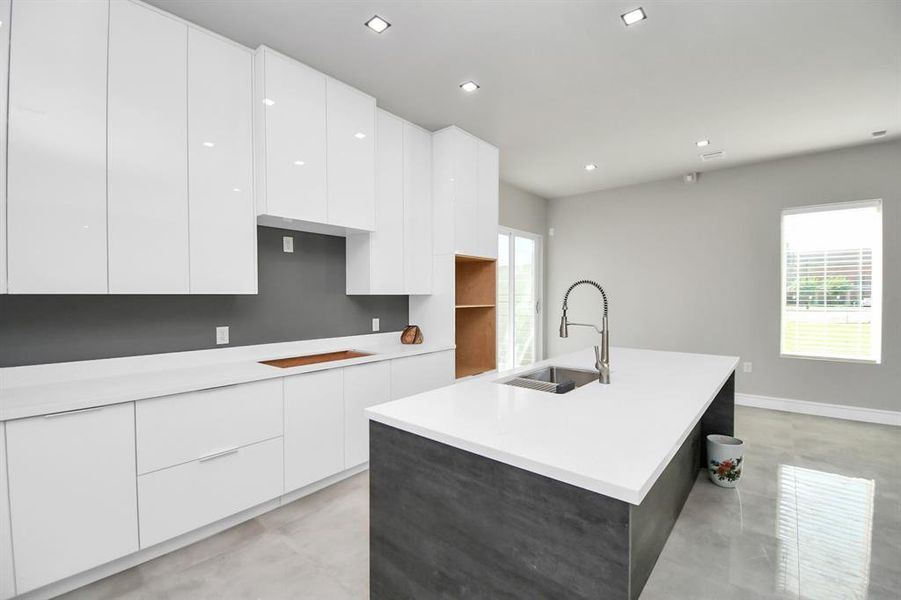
{"x":556,"y":380}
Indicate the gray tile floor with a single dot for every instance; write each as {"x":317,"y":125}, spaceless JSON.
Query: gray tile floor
{"x":816,"y":516}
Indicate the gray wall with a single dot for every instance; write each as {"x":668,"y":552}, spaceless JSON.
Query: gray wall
{"x":696,"y":268}
{"x":301,"y":296}
{"x":525,"y":211}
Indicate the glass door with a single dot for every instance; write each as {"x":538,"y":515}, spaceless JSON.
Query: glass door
{"x":518,"y":298}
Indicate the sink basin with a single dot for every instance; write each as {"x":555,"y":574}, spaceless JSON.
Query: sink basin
{"x":312,"y":359}
{"x":556,"y":380}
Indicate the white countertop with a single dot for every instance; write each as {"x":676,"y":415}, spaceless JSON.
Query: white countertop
{"x":612,"y":439}
{"x":45,"y":389}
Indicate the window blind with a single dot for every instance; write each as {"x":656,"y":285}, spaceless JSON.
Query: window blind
{"x":832,"y":281}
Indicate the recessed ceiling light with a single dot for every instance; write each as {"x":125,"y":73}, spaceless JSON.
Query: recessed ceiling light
{"x":359,"y":135}
{"x":591,"y":167}
{"x":469,"y":86}
{"x":209,"y":144}
{"x":702,"y":143}
{"x":268,"y":102}
{"x":377,"y":24}
{"x":879,"y":133}
{"x":236,"y":189}
{"x":634,"y":16}
{"x":299,"y":163}
{"x":713,"y":155}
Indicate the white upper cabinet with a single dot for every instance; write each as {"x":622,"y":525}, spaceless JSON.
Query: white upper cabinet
{"x":290,"y":138}
{"x":396,"y":257}
{"x":148,"y":166}
{"x":223,"y":244}
{"x":351,"y":157}
{"x":5,"y":7}
{"x":57,"y":148}
{"x":417,"y":210}
{"x":465,"y":186}
{"x":487,"y":201}
{"x":72,"y":492}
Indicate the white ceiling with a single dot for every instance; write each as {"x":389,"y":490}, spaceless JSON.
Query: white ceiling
{"x":564,"y":83}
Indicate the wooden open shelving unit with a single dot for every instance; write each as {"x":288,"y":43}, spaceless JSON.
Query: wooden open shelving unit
{"x":476,"y":315}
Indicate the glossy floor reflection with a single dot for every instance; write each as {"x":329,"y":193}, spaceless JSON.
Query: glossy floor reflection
{"x":817,"y":516}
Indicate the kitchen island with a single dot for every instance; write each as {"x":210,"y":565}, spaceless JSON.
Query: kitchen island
{"x":485,"y":490}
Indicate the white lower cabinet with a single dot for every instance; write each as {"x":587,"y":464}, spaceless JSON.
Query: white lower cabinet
{"x":181,"y":428}
{"x":7,"y":577}
{"x":71,"y":492}
{"x":364,"y":386}
{"x":179,"y":499}
{"x":416,"y":374}
{"x":314,"y":427}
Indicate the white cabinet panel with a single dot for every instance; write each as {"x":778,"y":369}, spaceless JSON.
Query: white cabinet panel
{"x":417,"y":214}
{"x":223,"y":245}
{"x":148,"y":167}
{"x":435,"y":314}
{"x":487,"y":214}
{"x":314,"y":427}
{"x":351,"y":156}
{"x":289,"y":103}
{"x":4,"y":80}
{"x":179,"y":499}
{"x":7,"y":578}
{"x":57,"y":148}
{"x":416,"y":374}
{"x":181,"y":428}
{"x":443,"y":219}
{"x":72,"y":492}
{"x":364,"y":386}
{"x":464,"y":154}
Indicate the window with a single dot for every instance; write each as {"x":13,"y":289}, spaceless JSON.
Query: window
{"x":518,"y":305}
{"x":832,"y":281}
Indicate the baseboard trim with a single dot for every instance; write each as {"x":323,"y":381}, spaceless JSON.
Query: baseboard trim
{"x":820,"y":409}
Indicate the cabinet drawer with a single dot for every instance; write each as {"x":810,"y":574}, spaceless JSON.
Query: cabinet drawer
{"x":416,"y":374}
{"x":179,"y":499}
{"x":178,"y":429}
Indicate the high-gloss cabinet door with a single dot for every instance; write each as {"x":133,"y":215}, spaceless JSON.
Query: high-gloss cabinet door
{"x":417,"y":215}
{"x":72,"y":492}
{"x":465,"y":158}
{"x":56,"y":205}
{"x":487,"y":215}
{"x":291,"y":97}
{"x":7,"y":577}
{"x":351,"y":156}
{"x":148,"y":163}
{"x":388,"y":238}
{"x":416,"y":374}
{"x":5,"y":6}
{"x":364,"y":386}
{"x":223,"y":247}
{"x":314,"y":427}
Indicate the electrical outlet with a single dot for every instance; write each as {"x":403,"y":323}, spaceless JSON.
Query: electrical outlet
{"x":747,"y":367}
{"x":222,"y":335}
{"x":288,"y":243}
{"x":375,"y":324}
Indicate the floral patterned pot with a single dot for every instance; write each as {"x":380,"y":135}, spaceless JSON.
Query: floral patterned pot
{"x":725,"y":456}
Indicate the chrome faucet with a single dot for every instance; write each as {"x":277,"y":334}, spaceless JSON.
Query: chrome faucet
{"x":602,"y":355}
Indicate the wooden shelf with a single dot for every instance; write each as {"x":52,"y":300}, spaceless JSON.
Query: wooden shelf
{"x":476,"y":315}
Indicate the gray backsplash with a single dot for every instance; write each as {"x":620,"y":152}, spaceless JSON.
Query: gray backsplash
{"x":301,"y":296}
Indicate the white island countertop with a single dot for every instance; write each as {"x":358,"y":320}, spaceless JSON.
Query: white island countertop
{"x":611,"y":439}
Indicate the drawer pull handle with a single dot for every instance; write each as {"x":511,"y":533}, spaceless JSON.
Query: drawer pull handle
{"x":218,"y":455}
{"x":73,"y":412}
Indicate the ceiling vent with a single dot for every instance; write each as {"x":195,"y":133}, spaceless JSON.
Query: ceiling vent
{"x":713,"y":155}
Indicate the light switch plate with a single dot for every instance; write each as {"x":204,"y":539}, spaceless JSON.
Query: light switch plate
{"x":375,"y":324}
{"x":288,"y":243}
{"x":747,"y":367}
{"x":222,"y":335}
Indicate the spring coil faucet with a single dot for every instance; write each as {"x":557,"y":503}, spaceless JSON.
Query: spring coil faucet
{"x":602,"y":355}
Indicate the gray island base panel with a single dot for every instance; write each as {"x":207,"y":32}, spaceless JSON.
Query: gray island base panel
{"x":447,"y":523}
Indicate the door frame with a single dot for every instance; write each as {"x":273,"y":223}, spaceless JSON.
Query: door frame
{"x":538,"y":290}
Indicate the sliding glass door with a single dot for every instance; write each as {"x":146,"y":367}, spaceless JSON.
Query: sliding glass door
{"x":518,"y":298}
